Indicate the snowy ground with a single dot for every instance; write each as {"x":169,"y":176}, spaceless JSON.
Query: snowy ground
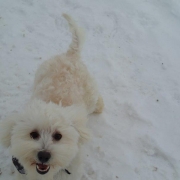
{"x":132,"y":48}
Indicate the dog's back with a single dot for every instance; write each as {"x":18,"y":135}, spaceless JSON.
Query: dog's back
{"x":65,"y":79}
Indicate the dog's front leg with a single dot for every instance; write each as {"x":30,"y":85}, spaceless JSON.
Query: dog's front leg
{"x":19,"y":176}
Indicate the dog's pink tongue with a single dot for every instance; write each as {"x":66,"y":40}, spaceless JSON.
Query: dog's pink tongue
{"x":42,"y":166}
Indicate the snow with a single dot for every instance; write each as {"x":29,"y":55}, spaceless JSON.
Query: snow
{"x":132,"y":50}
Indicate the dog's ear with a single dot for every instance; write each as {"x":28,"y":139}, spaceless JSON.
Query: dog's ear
{"x":77,"y":114}
{"x":6,"y":127}
{"x":84,"y":132}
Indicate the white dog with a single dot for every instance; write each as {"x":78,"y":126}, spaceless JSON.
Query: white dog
{"x":46,"y":139}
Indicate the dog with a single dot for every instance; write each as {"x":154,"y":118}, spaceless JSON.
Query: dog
{"x":46,"y":139}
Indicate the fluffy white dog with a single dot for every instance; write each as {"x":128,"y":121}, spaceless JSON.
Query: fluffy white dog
{"x":46,"y":139}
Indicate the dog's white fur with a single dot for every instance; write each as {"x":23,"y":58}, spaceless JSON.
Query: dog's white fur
{"x":64,"y":94}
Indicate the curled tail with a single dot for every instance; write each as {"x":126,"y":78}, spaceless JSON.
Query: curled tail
{"x":77,"y":36}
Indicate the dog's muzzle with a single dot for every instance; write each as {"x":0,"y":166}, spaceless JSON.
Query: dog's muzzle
{"x":43,"y":157}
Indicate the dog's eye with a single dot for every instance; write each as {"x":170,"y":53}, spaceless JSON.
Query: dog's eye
{"x":34,"y":135}
{"x":57,"y":136}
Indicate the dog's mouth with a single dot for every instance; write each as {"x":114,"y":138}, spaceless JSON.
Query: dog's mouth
{"x":42,"y":168}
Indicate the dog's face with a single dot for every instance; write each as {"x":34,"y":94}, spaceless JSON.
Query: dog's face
{"x":44,"y":143}
{"x":46,"y":137}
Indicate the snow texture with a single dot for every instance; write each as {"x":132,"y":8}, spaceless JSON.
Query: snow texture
{"x":132,"y":48}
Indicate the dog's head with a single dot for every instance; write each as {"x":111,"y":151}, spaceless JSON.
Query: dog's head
{"x":45,"y":137}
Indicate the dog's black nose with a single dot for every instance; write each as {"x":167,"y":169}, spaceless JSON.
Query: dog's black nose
{"x":43,"y":156}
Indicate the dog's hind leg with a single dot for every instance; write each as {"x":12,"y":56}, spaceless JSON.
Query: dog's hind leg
{"x":99,"y":105}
